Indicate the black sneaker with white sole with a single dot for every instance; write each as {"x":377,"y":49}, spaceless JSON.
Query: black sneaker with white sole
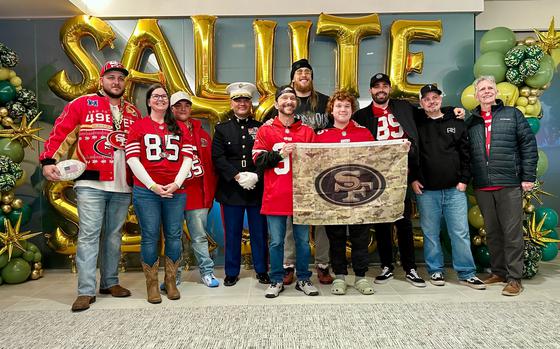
{"x":437,"y":279}
{"x":386,"y":275}
{"x":307,"y":287}
{"x":474,"y":282}
{"x":415,"y":279}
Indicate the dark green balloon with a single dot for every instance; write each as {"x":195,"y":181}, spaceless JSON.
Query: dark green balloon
{"x":16,"y":271}
{"x":3,"y":260}
{"x":535,"y":124}
{"x":549,"y":251}
{"x":482,"y":256}
{"x":7,"y":92}
{"x":515,"y":56}
{"x":553,"y":234}
{"x":551,"y":220}
{"x":13,"y":216}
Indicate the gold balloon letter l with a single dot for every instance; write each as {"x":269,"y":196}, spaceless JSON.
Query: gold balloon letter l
{"x":348,"y":32}
{"x":401,"y":61}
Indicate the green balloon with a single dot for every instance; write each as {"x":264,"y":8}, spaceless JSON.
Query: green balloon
{"x":3,"y":260}
{"x":491,"y":63}
{"x":542,"y":164}
{"x":551,"y":220}
{"x":475,"y":217}
{"x":549,"y":251}
{"x":32,"y":247}
{"x":7,"y":91}
{"x":12,"y":149}
{"x":535,"y":124}
{"x":499,"y":39}
{"x":16,"y":252}
{"x":482,"y":256}
{"x":37,"y":257}
{"x":553,"y":234}
{"x":28,"y":256}
{"x":25,"y":211}
{"x":16,"y":271}
{"x":543,"y":75}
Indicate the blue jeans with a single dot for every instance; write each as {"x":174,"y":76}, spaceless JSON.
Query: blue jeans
{"x":277,"y":232}
{"x":99,"y":210}
{"x":452,"y":204}
{"x":152,"y":210}
{"x":196,"y":223}
{"x":233,"y":228}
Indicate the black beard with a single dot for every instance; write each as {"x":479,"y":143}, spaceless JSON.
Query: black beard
{"x":112,"y":95}
{"x":378,"y":100}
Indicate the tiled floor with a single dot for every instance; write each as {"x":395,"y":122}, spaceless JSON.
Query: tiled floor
{"x":57,"y":290}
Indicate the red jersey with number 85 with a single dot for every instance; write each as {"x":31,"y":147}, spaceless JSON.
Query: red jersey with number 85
{"x":160,"y":152}
{"x":277,"y":197}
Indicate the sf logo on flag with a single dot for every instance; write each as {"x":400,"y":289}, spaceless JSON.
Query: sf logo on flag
{"x":349,"y":185}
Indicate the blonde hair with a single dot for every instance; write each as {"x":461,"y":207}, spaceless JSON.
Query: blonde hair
{"x":482,"y":78}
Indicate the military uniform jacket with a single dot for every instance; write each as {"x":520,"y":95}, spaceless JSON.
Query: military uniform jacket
{"x":231,"y":154}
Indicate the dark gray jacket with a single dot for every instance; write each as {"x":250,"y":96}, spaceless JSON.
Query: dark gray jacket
{"x":513,"y":148}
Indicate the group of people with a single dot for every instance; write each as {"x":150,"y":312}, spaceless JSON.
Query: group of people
{"x":178,"y":170}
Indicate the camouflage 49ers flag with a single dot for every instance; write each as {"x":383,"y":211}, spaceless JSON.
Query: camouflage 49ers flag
{"x":349,"y":183}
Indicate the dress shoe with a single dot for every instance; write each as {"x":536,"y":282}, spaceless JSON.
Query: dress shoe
{"x":230,"y":280}
{"x":288,"y":276}
{"x":493,"y":279}
{"x":82,"y":303}
{"x":513,"y":288}
{"x":263,"y":278}
{"x":115,"y":291}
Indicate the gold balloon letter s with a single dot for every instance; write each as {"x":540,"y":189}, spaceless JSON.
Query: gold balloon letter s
{"x":71,"y":35}
{"x":401,"y":61}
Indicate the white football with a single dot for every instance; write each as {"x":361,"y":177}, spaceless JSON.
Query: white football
{"x":70,"y":169}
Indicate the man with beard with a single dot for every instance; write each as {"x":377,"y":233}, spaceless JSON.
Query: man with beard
{"x":240,"y":185}
{"x":96,"y":126}
{"x":272,"y":152}
{"x":389,"y":119}
{"x":312,"y":111}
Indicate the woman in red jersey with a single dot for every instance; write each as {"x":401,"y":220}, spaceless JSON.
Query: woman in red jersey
{"x":159,"y":153}
{"x":340,"y":107}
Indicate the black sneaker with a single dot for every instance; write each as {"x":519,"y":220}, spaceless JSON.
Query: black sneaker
{"x":263,"y":278}
{"x":437,"y":279}
{"x":474,"y":282}
{"x":386,"y":275}
{"x":230,"y":280}
{"x":415,"y":279}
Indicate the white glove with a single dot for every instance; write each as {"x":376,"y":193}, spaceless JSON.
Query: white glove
{"x":248,"y":180}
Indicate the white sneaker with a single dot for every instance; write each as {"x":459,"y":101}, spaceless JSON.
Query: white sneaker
{"x":274,"y":290}
{"x":210,"y":280}
{"x":437,"y":279}
{"x":307,"y":287}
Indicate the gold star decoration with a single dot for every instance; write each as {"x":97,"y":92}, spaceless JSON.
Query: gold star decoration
{"x":534,"y":232}
{"x":548,"y":40}
{"x":11,"y":237}
{"x":24,"y":133}
{"x":536,"y":193}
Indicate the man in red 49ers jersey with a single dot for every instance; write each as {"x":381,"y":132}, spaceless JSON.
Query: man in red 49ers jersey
{"x":272,"y":151}
{"x":94,"y":127}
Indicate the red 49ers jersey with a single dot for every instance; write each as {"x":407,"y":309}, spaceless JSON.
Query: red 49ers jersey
{"x":277,"y":197}
{"x":160,"y":152}
{"x":351,"y":133}
{"x":388,"y":127}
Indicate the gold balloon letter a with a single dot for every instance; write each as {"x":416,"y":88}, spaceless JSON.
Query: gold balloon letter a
{"x":71,"y":35}
{"x":205,"y":85}
{"x":401,"y":61}
{"x":348,"y":33}
{"x":148,"y":35}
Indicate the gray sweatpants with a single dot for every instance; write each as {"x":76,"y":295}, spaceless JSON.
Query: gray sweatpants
{"x":503,"y":216}
{"x":321,"y":245}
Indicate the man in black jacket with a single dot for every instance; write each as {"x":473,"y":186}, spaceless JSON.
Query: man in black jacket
{"x":240,"y":185}
{"x":393,"y":119}
{"x":440,"y":186}
{"x":503,"y":164}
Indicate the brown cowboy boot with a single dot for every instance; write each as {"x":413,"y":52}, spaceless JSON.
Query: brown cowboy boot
{"x":170,"y":278}
{"x":152,"y":285}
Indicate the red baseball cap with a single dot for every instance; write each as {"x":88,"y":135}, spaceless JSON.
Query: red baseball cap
{"x":113,"y":65}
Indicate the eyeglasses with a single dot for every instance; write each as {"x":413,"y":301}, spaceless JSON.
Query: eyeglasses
{"x":162,"y":97}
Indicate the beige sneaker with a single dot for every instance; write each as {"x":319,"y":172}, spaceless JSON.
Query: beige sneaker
{"x":513,"y":288}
